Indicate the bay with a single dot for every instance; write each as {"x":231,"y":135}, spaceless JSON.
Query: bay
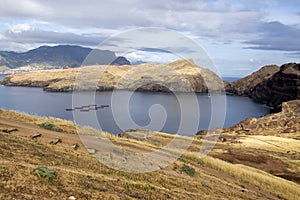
{"x":37,"y":102}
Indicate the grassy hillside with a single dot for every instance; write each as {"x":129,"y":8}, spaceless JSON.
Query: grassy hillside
{"x":80,"y":175}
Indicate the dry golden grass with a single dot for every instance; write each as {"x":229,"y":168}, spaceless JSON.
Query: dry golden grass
{"x":45,"y":75}
{"x":81,"y":175}
{"x":280,"y":187}
{"x":273,"y":154}
{"x":66,"y":125}
{"x":270,"y":143}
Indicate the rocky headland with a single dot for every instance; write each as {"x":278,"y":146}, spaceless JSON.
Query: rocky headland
{"x":271,"y":84}
{"x":178,"y":76}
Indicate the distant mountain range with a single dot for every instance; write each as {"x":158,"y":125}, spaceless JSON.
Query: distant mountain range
{"x":60,"y":56}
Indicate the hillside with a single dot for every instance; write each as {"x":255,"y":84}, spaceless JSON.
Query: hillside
{"x":270,"y":143}
{"x":283,"y":86}
{"x":271,"y":84}
{"x":179,"y":76}
{"x":79,"y":174}
{"x":59,"y":57}
{"x":244,"y":85}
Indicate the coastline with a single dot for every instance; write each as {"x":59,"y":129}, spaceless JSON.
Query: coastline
{"x":264,"y":86}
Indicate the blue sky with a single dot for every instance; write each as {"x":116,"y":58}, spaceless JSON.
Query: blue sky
{"x":240,"y":36}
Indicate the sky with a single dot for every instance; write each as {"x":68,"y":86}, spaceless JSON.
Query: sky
{"x":239,"y":36}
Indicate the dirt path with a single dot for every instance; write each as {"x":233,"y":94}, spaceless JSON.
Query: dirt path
{"x":27,"y":130}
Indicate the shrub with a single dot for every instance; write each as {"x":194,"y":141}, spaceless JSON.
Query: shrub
{"x":50,"y":126}
{"x":205,"y":185}
{"x":44,"y":172}
{"x":188,"y":170}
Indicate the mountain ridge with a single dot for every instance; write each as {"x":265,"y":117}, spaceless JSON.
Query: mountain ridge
{"x":60,"y":56}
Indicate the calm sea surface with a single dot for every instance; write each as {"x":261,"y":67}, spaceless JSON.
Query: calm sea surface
{"x":35,"y":101}
{"x":230,"y":79}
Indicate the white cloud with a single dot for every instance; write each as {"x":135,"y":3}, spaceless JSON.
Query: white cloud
{"x":18,"y":28}
{"x":24,"y":8}
{"x":203,"y":17}
{"x":220,"y":23}
{"x":151,"y":57}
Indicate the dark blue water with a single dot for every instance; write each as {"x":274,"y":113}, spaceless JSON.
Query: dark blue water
{"x":230,"y":79}
{"x":35,"y":101}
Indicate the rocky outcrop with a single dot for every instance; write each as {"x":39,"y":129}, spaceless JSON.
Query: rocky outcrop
{"x":270,"y":85}
{"x":286,"y":121}
{"x":178,"y":76}
{"x":245,"y":85}
{"x":283,"y":86}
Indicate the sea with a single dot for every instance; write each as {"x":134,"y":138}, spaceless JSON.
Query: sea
{"x":164,"y":112}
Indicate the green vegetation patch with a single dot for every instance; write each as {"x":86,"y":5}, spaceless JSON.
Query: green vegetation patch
{"x":188,"y":170}
{"x":44,"y":172}
{"x":50,"y":126}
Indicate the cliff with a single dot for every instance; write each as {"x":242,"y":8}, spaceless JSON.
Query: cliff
{"x":245,"y":85}
{"x":283,"y":86}
{"x":270,"y":85}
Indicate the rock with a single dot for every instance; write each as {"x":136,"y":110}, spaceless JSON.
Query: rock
{"x":222,"y":139}
{"x":71,"y":198}
{"x":75,"y":146}
{"x":91,"y":151}
{"x":56,"y":141}
{"x":283,"y":86}
{"x":9,"y":130}
{"x":202,"y":132}
{"x":35,"y":136}
{"x":290,"y":130}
